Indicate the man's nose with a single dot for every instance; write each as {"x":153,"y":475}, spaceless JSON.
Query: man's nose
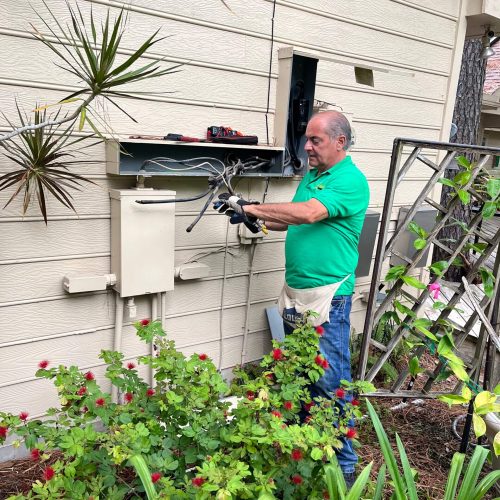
{"x":308,"y":145}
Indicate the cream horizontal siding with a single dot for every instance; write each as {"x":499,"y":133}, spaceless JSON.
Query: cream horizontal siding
{"x":223,"y":80}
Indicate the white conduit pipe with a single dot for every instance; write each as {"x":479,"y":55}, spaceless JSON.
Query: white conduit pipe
{"x":117,"y":341}
{"x":248,"y":304}
{"x":154,"y":316}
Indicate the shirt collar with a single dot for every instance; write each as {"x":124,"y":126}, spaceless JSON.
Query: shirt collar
{"x":345,"y":161}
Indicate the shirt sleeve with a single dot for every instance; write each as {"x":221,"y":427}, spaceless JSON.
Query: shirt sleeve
{"x":344,"y":196}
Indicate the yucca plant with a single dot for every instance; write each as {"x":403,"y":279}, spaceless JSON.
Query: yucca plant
{"x":44,"y":157}
{"x":89,"y":52}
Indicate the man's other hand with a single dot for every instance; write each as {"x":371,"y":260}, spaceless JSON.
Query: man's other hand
{"x":232,"y":206}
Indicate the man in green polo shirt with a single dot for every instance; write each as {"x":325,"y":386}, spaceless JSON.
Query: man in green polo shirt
{"x":323,"y":224}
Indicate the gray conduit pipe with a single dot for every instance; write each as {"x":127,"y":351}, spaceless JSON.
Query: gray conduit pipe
{"x":154,"y":316}
{"x":248,"y":304}
{"x":117,"y":340}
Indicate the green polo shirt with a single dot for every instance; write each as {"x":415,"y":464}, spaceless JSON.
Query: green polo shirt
{"x":327,"y":251}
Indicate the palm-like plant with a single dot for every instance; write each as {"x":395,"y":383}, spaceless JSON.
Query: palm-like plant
{"x":88,"y":52}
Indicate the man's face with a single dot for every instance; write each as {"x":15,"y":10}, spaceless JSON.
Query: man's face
{"x":323,"y":152}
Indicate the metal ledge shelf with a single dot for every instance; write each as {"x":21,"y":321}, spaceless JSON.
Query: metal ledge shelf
{"x":126,"y":157}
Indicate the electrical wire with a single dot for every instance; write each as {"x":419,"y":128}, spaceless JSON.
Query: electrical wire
{"x":269,"y":74}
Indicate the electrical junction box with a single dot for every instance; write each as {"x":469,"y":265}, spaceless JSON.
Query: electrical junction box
{"x":367,"y":243}
{"x":426,"y":219}
{"x":142,"y":241}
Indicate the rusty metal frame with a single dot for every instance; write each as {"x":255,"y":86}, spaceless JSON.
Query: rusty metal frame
{"x":386,"y":248}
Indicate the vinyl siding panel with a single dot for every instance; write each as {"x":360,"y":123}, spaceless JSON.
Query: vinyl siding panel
{"x":223,"y":81}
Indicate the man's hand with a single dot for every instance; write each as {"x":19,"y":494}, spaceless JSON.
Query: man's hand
{"x":232,"y":206}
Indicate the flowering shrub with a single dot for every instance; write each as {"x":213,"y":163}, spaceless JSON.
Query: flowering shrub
{"x":192,"y":444}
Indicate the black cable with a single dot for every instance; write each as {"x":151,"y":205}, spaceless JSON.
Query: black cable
{"x":269,"y":74}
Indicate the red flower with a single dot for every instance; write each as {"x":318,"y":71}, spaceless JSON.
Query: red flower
{"x":43,"y":364}
{"x":276,"y":413}
{"x":150,"y":392}
{"x":351,"y":433}
{"x":89,"y":376}
{"x":319,"y":360}
{"x":355,"y":402}
{"x":250,"y":395}
{"x":130,"y":366}
{"x":82,"y":391}
{"x":23,"y":416}
{"x":296,"y":479}
{"x":48,"y":473}
{"x":203,"y":357}
{"x":277,"y":354}
{"x":296,"y":455}
{"x":129,"y":397}
{"x":288,"y":405}
{"x":340,"y":393}
{"x":3,"y":431}
{"x":320,"y":330}
{"x":198,"y":481}
{"x":325,"y":364}
{"x":100,"y":402}
{"x":308,"y":406}
{"x":155,"y":477}
{"x":308,"y":419}
{"x":35,"y":454}
{"x":270,"y":376}
{"x":145,"y":322}
{"x":85,"y":409}
{"x":326,"y":496}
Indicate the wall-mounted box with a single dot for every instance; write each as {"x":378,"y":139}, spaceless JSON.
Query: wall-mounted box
{"x":367,"y":243}
{"x":133,"y":157}
{"x":426,"y":219}
{"x":142,"y":241}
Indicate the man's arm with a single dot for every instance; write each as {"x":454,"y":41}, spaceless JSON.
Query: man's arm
{"x":288,"y":214}
{"x":275,"y":226}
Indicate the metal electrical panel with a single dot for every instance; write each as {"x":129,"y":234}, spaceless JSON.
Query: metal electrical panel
{"x":367,"y":243}
{"x":142,"y":241}
{"x":426,"y":219}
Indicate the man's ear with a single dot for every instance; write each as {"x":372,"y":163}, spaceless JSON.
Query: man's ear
{"x":341,"y":142}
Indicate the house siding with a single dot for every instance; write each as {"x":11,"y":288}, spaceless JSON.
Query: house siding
{"x":223,"y":80}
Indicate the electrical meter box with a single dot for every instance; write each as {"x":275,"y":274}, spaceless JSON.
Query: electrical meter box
{"x":367,"y":243}
{"x":426,"y":219}
{"x":142,"y":241}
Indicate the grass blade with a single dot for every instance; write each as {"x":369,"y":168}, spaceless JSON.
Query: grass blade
{"x":411,"y":488}
{"x":379,"y":487}
{"x":359,"y":485}
{"x":143,"y":472}
{"x":472,"y":473}
{"x":457,"y":463}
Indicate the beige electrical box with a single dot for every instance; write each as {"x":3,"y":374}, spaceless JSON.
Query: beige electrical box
{"x":142,"y":241}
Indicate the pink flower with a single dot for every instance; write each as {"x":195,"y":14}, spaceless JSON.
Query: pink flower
{"x":130,"y":366}
{"x":198,"y":481}
{"x":89,"y":376}
{"x":43,"y":364}
{"x":35,"y":454}
{"x":203,"y":357}
{"x":434,"y":289}
{"x":23,"y":416}
{"x":320,"y":330}
{"x":296,"y":479}
{"x":351,"y":433}
{"x":82,"y":391}
{"x":340,"y":393}
{"x":129,"y":397}
{"x":145,"y":322}
{"x":48,"y":473}
{"x":150,"y":392}
{"x":296,"y":455}
{"x":155,"y":477}
{"x":250,"y":395}
{"x":100,"y":402}
{"x":276,"y":413}
{"x":288,"y":405}
{"x":3,"y":431}
{"x":277,"y":354}
{"x":270,"y":377}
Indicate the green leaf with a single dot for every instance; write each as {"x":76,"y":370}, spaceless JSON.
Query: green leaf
{"x":316,"y":453}
{"x":488,"y":281}
{"x":419,"y":243}
{"x":414,"y":367}
{"x":438,"y":267}
{"x":464,"y":196}
{"x":489,"y":209}
{"x":439,"y":306}
{"x":462,"y":178}
{"x":446,"y":182}
{"x":472,"y":473}
{"x":83,"y":112}
{"x":411,"y":488}
{"x":462,"y":161}
{"x":413,"y":227}
{"x":359,"y":485}
{"x":394,"y":273}
{"x":379,"y":487}
{"x":493,"y":188}
{"x":457,"y":463}
{"x":479,"y":425}
{"x":424,"y":330}
{"x":496,"y":390}
{"x":414,"y":282}
{"x":143,"y":472}
{"x":403,"y":309}
{"x":496,"y":444}
{"x":452,"y":399}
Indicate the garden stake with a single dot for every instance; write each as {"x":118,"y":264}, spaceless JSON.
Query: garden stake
{"x":468,"y":423}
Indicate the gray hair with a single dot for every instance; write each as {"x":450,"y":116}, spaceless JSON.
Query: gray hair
{"x":336,"y":125}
